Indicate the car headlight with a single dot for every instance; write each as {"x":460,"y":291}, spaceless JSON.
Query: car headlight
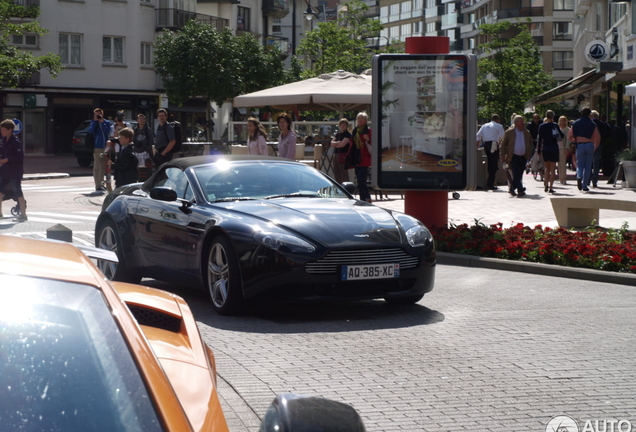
{"x":418,"y":235}
{"x":284,"y":242}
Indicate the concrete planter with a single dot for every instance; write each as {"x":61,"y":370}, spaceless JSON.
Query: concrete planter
{"x":629,"y":169}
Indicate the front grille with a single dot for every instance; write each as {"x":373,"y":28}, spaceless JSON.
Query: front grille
{"x":330,"y":262}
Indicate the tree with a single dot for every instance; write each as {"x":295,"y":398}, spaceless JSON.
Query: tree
{"x":199,"y":61}
{"x":16,"y":64}
{"x":341,"y":45}
{"x":511,"y":73}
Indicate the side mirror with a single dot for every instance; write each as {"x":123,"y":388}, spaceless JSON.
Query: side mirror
{"x":163,"y":194}
{"x":294,"y":413}
{"x":349,"y":187}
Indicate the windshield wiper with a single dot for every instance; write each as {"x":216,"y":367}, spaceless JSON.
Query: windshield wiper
{"x":294,"y":195}
{"x":233,"y":199}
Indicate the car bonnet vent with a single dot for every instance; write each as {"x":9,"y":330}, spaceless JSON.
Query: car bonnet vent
{"x":153,"y":318}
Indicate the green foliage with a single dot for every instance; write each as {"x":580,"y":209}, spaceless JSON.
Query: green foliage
{"x":17,"y":64}
{"x":201,"y":61}
{"x":333,"y":46}
{"x":511,"y":73}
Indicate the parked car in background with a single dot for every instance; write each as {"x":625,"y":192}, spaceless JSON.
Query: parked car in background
{"x":83,"y":153}
{"x":81,"y":353}
{"x":257,"y":228}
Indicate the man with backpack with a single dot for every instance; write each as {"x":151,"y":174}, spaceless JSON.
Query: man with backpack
{"x":165,"y":139}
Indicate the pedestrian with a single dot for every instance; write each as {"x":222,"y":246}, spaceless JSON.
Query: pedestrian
{"x":100,"y":129}
{"x":12,"y":167}
{"x":165,"y":139}
{"x":533,"y":127}
{"x":516,"y":149}
{"x":341,"y":144}
{"x":325,"y":136}
{"x":548,"y":140}
{"x":143,"y":140}
{"x":564,"y":150}
{"x":257,"y":138}
{"x":587,"y":138}
{"x":606,"y":132}
{"x":287,"y":137}
{"x":125,"y":167}
{"x":359,"y":156}
{"x":488,"y":136}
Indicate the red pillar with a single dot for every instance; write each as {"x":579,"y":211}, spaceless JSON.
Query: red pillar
{"x":431,"y":207}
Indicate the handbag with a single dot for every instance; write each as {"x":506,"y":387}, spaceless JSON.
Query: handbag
{"x":572,"y":148}
{"x":353,"y":158}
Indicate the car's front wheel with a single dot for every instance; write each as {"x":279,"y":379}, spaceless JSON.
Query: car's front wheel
{"x":84,"y":161}
{"x":107,"y":238}
{"x":224,"y":277}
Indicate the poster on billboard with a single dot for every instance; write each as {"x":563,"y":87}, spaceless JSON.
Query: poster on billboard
{"x":424,"y":116}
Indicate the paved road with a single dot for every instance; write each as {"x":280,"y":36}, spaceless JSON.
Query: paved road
{"x":485,"y":351}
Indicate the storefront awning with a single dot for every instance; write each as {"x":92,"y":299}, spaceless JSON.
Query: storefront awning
{"x":569,"y":89}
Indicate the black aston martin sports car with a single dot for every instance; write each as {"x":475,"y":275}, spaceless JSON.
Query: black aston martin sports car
{"x":253,"y":229}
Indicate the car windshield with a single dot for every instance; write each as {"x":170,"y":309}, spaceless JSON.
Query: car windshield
{"x":226,"y":181}
{"x":64,"y":364}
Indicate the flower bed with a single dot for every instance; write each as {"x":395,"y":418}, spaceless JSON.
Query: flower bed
{"x":610,"y":250}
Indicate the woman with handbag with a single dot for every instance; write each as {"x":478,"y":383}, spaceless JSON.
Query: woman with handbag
{"x":340,"y":144}
{"x":359,"y":156}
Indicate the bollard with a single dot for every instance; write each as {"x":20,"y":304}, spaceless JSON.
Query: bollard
{"x":60,"y":232}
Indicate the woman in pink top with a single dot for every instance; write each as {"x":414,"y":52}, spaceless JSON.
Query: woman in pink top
{"x":287,"y":138}
{"x":256,"y":137}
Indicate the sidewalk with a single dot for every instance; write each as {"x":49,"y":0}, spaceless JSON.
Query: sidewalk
{"x":53,"y":166}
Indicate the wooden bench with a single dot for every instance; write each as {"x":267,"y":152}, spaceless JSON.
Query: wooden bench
{"x":581,"y":212}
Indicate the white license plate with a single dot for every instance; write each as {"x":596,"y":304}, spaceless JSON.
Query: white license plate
{"x":372,"y":271}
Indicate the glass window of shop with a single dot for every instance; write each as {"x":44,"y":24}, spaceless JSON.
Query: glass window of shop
{"x":33,"y":128}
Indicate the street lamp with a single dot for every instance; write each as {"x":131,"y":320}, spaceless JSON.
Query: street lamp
{"x":310,"y":15}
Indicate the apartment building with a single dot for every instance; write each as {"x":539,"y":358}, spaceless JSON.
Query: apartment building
{"x":604,"y":35}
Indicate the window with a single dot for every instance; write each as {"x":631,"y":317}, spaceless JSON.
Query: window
{"x":405,"y":32}
{"x":431,"y":3}
{"x":113,"y":50}
{"x":146,"y":54}
{"x":394,"y":12}
{"x":394,"y":33}
{"x":563,"y":5}
{"x":277,"y":29}
{"x":70,"y":49}
{"x":243,"y":19}
{"x":405,"y":10}
{"x":384,"y":14}
{"x":430,"y":27}
{"x":562,"y":60}
{"x":28,"y":41}
{"x":417,"y":8}
{"x":416,"y":28}
{"x":617,"y":11}
{"x":562,"y":31}
{"x":599,"y":17}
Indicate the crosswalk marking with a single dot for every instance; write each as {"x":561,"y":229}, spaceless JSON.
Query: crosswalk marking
{"x":72,"y":216}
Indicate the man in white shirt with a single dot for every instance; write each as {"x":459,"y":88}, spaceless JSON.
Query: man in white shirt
{"x":488,"y":136}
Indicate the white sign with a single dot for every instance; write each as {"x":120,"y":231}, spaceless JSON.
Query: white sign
{"x":18,"y":126}
{"x":597,"y":51}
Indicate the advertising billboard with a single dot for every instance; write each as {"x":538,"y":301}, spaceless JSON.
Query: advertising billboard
{"x":424,"y":116}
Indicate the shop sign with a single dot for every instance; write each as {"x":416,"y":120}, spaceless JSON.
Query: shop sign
{"x":597,"y":51}
{"x":30,"y":101}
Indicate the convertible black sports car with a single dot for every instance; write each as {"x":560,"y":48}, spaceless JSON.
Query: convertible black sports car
{"x":258,"y":228}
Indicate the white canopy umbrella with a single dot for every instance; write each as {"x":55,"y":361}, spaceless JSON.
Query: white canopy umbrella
{"x":337,"y":91}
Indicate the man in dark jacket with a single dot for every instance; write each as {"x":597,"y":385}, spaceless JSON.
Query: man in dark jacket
{"x":12,"y":167}
{"x":533,"y":127}
{"x":125,"y":168}
{"x":606,"y":132}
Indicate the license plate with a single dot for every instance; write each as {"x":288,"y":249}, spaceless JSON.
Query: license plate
{"x":372,"y":271}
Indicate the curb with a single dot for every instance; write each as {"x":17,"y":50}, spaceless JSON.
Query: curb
{"x":536,"y":268}
{"x":44,"y":176}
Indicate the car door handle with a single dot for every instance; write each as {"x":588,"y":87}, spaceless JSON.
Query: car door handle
{"x":144,"y":209}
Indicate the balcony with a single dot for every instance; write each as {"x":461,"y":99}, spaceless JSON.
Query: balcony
{"x":517,"y":12}
{"x":31,"y":81}
{"x":373,"y":12}
{"x":451,"y":20}
{"x":434,"y":11}
{"x":272,"y":42}
{"x":457,"y":45}
{"x":275,"y":8}
{"x":176,"y":19}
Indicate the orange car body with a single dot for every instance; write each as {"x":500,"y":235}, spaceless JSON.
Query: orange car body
{"x":175,"y":364}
